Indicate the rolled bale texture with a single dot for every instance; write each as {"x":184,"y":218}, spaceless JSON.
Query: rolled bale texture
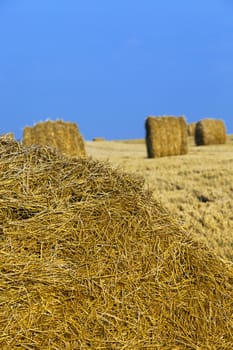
{"x":89,"y":260}
{"x":210,"y":132}
{"x":64,"y":136}
{"x":166,"y":136}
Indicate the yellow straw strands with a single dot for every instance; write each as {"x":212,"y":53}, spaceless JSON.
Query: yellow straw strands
{"x":210,"y":132}
{"x":8,"y":136}
{"x":166,"y":136}
{"x":89,"y":260}
{"x":64,"y":136}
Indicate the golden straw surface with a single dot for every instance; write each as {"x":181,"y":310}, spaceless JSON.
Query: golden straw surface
{"x":88,"y":260}
{"x":64,"y":136}
{"x":210,"y":132}
{"x":166,"y":136}
{"x":191,"y":129}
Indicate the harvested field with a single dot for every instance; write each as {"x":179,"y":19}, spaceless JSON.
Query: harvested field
{"x":90,"y":260}
{"x":195,"y":188}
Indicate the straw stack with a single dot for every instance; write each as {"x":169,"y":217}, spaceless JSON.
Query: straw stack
{"x":210,"y":132}
{"x":89,"y":260}
{"x":166,"y":136}
{"x":64,"y":136}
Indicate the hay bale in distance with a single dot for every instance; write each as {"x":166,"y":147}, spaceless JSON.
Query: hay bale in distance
{"x":191,"y":129}
{"x":210,"y":132}
{"x":98,"y":139}
{"x":89,"y":260}
{"x":166,"y":136}
{"x":64,"y":136}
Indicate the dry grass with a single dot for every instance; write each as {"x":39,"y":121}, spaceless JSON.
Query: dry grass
{"x":196,"y":188}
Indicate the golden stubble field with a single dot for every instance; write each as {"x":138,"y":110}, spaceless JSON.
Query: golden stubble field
{"x":197,"y":188}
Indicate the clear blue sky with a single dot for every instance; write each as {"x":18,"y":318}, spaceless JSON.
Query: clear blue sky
{"x":108,"y":64}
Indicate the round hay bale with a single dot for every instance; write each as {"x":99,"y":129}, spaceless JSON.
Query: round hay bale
{"x":210,"y":132}
{"x":166,"y":136}
{"x":89,"y":260}
{"x":64,"y":136}
{"x":191,"y":129}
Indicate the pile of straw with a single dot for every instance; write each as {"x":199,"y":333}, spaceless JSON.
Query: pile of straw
{"x":64,"y":136}
{"x":8,"y":136}
{"x":210,"y":132}
{"x":166,"y":136}
{"x":191,"y":129}
{"x":89,"y":260}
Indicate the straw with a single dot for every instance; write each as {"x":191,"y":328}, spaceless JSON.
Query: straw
{"x":89,"y":260}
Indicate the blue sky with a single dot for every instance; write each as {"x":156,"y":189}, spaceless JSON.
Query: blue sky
{"x":108,"y":64}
